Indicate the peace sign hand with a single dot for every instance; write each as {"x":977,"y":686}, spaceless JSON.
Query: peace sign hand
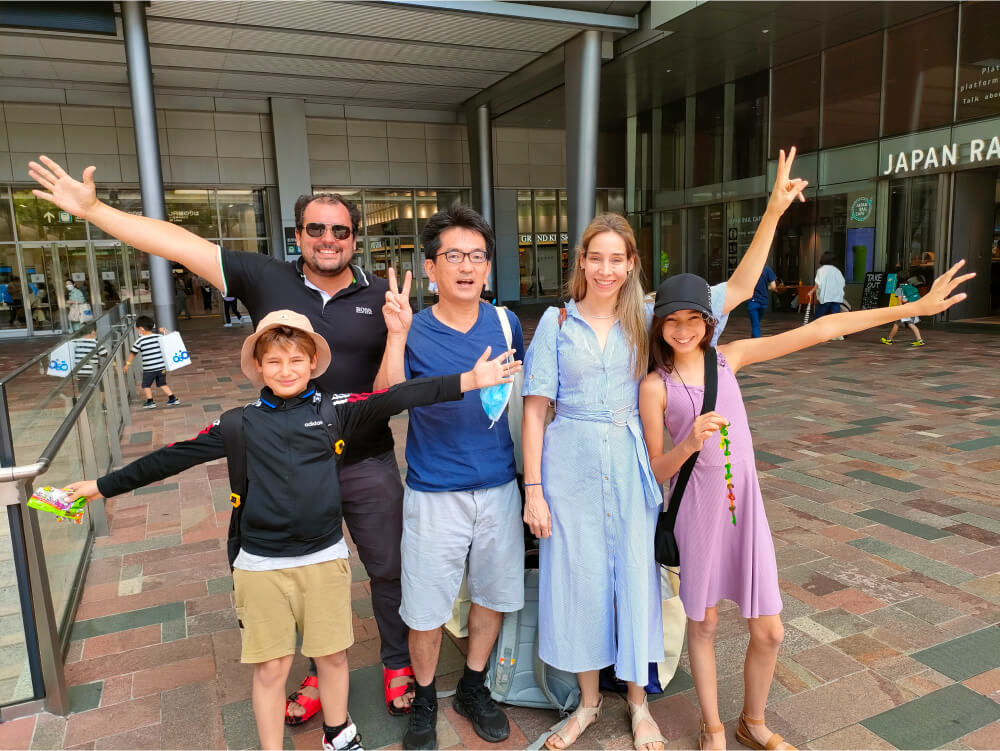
{"x":785,"y":189}
{"x":68,"y":194}
{"x":397,"y":311}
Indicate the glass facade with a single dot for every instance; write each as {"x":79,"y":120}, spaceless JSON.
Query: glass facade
{"x":848,"y":109}
{"x":795,"y":91}
{"x":852,"y":75}
{"x":41,"y":248}
{"x":920,"y":73}
{"x":979,"y":62}
{"x":389,"y":236}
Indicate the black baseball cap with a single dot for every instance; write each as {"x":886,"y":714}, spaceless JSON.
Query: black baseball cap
{"x":683,"y":292}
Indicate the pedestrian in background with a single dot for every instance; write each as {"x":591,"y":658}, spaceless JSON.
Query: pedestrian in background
{"x":829,"y":287}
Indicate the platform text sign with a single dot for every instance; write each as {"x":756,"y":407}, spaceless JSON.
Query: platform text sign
{"x":871,"y":295}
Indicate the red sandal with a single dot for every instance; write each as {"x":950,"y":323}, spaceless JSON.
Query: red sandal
{"x":394,"y":692}
{"x":309,"y":704}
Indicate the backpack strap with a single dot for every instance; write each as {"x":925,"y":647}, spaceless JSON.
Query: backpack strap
{"x":328,"y":414}
{"x":708,"y":404}
{"x":231,"y":424}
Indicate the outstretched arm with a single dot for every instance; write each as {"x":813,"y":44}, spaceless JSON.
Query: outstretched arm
{"x":153,"y":236}
{"x":784,"y":192}
{"x":938,"y":299}
{"x":357,"y":409}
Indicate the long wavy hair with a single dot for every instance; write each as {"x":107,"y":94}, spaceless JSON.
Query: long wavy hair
{"x":630,"y":308}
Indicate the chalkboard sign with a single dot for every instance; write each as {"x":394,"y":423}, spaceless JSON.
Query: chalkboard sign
{"x":872,"y":294}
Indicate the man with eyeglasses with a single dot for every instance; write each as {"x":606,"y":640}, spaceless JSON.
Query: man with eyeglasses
{"x":344,"y":305}
{"x":462,"y":506}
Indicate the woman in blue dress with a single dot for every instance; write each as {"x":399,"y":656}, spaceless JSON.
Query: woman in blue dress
{"x":590,"y":494}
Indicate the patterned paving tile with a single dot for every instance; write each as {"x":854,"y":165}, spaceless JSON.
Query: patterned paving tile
{"x":935,"y":719}
{"x":889,"y":482}
{"x":966,"y":656}
{"x":125,"y":621}
{"x":914,"y":561}
{"x":903,"y":524}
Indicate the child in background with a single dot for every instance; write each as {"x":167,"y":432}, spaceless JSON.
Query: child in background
{"x":727,"y":553}
{"x":82,"y":347}
{"x":154,"y":368}
{"x":291,"y":571}
{"x":906,"y":293}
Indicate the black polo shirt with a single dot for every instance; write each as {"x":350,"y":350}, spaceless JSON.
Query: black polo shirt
{"x":351,"y":322}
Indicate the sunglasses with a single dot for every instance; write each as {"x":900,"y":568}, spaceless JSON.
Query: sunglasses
{"x":318,"y":229}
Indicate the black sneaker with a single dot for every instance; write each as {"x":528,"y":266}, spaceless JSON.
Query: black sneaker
{"x":150,"y":404}
{"x":173,"y":401}
{"x":422,"y":731}
{"x":476,"y":705}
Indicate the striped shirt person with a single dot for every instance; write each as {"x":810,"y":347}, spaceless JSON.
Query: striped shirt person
{"x":154,"y":367}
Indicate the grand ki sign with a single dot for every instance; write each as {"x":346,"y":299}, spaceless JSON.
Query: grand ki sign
{"x":945,"y":155}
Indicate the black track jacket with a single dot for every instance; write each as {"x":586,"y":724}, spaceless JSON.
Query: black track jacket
{"x":293,"y":496}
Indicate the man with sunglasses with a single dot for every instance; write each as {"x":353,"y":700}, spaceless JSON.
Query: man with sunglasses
{"x":344,"y":305}
{"x":462,"y":506}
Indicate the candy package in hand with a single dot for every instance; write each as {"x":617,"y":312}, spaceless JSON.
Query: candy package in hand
{"x":58,"y":502}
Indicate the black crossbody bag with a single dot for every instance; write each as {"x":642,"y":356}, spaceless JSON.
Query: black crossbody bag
{"x":665,"y":548}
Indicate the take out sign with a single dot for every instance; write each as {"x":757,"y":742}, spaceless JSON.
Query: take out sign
{"x":945,"y":155}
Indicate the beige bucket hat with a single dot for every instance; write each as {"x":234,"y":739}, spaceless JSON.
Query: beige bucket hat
{"x":292,"y":320}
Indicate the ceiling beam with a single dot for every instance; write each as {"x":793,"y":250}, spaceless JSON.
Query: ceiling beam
{"x":526,"y":12}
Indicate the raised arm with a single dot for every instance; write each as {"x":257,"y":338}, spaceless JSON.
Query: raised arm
{"x":784,"y":192}
{"x":398,"y":317}
{"x":152,"y":236}
{"x":938,"y":299}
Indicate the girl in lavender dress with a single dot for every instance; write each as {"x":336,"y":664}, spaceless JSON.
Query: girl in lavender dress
{"x":727,"y":553}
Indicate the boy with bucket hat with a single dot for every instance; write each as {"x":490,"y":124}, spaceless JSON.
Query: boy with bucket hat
{"x":290,"y":538}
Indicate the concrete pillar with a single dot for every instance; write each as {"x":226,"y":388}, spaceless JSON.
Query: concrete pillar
{"x":479,"y":124}
{"x":291,"y":161}
{"x":147,"y":149}
{"x":583,"y":90}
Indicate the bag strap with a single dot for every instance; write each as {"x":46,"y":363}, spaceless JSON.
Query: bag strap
{"x":708,"y":404}
{"x":508,"y":335}
{"x":231,"y":424}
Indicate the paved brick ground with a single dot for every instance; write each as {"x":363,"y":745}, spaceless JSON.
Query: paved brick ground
{"x":879,"y":467}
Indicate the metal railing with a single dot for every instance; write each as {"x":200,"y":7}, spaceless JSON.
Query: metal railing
{"x":91,"y":403}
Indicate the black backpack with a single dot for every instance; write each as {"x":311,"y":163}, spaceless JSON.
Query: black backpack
{"x":231,"y":424}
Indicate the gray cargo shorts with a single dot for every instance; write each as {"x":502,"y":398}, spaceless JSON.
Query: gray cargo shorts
{"x":443,"y":534}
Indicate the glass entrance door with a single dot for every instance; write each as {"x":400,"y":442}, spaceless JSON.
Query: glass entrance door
{"x":112,"y":273}
{"x":400,"y":254}
{"x":46,"y":290}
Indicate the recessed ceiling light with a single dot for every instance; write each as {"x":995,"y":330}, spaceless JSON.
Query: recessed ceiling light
{"x":764,"y":31}
{"x":670,"y":70}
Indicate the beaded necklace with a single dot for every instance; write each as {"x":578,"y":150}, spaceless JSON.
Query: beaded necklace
{"x":724,"y":445}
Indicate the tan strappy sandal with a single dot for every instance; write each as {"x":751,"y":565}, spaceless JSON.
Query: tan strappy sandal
{"x":705,"y":730}
{"x":584,"y":716}
{"x":774,"y":743}
{"x":640,"y":713}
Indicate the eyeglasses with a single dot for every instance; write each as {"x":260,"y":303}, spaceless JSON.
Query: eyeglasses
{"x":318,"y":229}
{"x":457,"y":256}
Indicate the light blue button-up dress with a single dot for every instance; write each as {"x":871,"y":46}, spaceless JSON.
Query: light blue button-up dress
{"x":599,"y":590}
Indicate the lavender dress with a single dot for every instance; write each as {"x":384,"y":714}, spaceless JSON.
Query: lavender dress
{"x":719,"y":560}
